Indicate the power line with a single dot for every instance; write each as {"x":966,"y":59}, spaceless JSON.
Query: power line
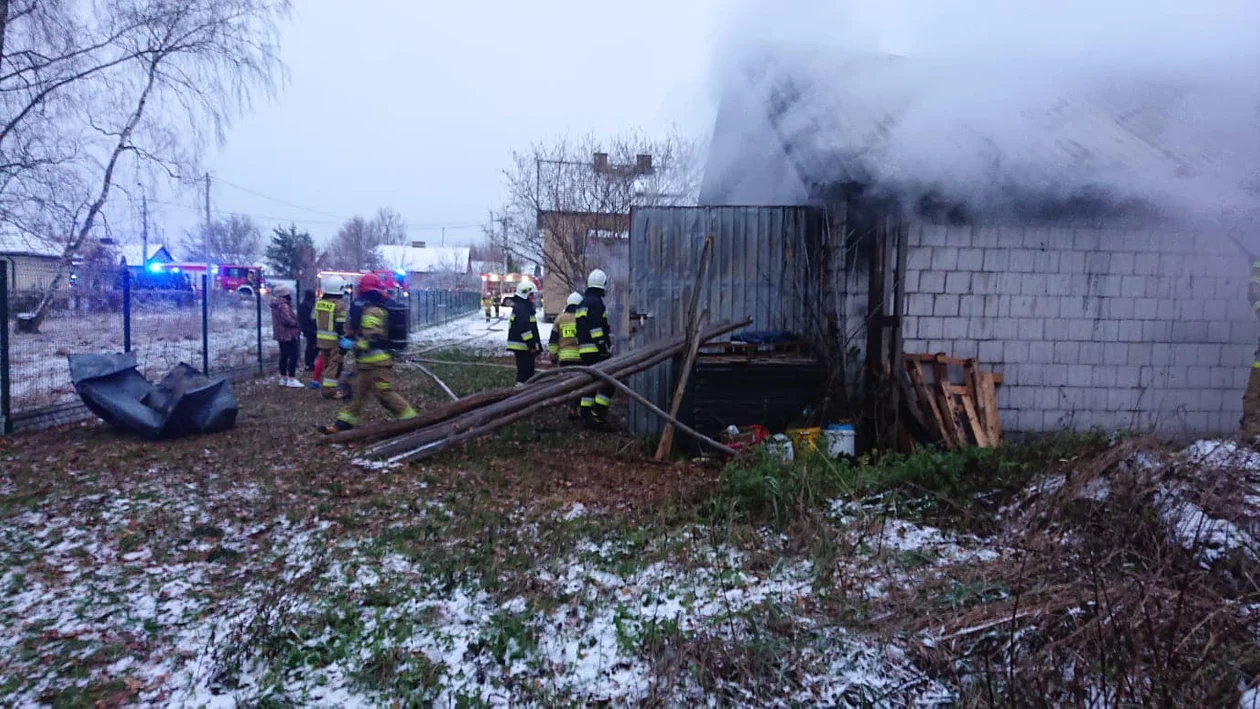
{"x":304,"y":220}
{"x":276,"y":199}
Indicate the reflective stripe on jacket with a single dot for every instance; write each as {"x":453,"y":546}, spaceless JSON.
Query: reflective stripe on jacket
{"x":592,"y":324}
{"x":371,"y":328}
{"x":563,"y":346}
{"x":326,"y":320}
{"x":523,"y":327}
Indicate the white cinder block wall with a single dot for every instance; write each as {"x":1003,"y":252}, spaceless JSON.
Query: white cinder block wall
{"x":1143,"y":330}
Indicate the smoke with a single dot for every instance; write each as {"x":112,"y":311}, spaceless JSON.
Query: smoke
{"x":996,"y":103}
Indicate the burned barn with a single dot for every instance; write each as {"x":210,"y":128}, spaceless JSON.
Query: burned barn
{"x":1095,"y":310}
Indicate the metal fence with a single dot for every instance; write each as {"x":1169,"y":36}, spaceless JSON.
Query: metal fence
{"x":433,"y":307}
{"x":105,"y":310}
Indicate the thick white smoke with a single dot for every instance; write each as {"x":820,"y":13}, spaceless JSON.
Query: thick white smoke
{"x":978,"y":100}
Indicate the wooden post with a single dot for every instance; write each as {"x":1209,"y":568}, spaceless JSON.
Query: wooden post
{"x":695,"y":320}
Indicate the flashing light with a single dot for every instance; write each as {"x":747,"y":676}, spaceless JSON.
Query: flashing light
{"x":214,"y":270}
{"x":175,"y":269}
{"x":400,"y":273}
{"x":494,"y":278}
{"x":155,"y":268}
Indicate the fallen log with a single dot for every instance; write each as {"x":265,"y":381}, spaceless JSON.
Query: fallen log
{"x":434,"y":447}
{"x":573,"y":382}
{"x":427,"y":418}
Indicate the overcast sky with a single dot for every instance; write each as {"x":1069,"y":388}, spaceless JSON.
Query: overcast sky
{"x":418,"y":105}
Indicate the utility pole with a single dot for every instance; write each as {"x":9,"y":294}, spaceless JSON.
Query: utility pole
{"x":144,"y":229}
{"x":207,"y":200}
{"x":444,"y":237}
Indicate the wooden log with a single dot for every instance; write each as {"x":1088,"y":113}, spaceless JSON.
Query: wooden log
{"x":574,"y":383}
{"x":426,"y":418}
{"x":433,"y":447}
{"x":695,"y":320}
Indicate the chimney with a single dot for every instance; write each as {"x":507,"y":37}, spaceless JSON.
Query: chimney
{"x":418,"y":244}
{"x":601,"y":162}
{"x":643,"y":164}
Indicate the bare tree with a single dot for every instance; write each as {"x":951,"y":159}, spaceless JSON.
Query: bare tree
{"x":354,"y":247}
{"x":560,"y":194}
{"x":235,"y":240}
{"x":89,"y":88}
{"x":388,"y":227}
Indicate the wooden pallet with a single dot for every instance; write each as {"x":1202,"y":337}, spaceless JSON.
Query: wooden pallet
{"x":963,"y":413}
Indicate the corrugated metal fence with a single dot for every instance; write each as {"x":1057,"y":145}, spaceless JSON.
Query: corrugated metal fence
{"x":760,"y":269}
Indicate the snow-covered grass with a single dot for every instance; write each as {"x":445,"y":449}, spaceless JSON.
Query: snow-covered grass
{"x":472,"y":334}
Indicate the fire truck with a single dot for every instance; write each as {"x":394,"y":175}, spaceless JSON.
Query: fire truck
{"x":352,"y":281}
{"x":503,"y":286}
{"x":224,"y":277}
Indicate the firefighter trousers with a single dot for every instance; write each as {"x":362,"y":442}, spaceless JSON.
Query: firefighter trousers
{"x":595,"y":406}
{"x":330,"y":375}
{"x":1251,"y":407}
{"x":374,"y":380}
{"x":524,"y":366}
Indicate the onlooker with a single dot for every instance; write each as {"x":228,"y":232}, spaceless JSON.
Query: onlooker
{"x":306,"y":319}
{"x":284,"y":327}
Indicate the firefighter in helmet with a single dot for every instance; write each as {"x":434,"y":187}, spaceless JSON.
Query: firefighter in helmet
{"x":522,"y":337}
{"x":562,"y":347}
{"x":373,"y":360}
{"x":595,"y":345}
{"x":486,"y":302}
{"x":330,"y":328}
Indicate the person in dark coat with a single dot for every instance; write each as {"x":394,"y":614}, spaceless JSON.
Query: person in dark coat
{"x":306,"y":319}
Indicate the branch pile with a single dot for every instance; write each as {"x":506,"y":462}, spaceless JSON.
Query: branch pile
{"x":465,"y":419}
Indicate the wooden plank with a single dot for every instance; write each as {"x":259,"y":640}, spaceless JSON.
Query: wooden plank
{"x":695,"y":321}
{"x":988,"y":394}
{"x":977,"y":428}
{"x":949,"y":412}
{"x":927,"y":401}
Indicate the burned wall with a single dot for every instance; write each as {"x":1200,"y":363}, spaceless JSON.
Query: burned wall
{"x":1147,"y":330}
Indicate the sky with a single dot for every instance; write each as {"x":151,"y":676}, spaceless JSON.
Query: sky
{"x":418,"y":105}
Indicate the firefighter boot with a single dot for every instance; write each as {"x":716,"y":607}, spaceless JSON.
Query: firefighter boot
{"x":334,"y":427}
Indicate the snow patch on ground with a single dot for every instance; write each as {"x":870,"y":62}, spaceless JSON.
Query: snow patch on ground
{"x":1222,"y":454}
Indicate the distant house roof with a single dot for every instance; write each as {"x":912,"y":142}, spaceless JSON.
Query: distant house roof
{"x":801,"y":119}
{"x":130,"y":255}
{"x":12,"y":244}
{"x":426,"y":259}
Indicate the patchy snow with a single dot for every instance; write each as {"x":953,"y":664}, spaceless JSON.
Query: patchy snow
{"x":471,"y":333}
{"x":577,"y":510}
{"x":1250,"y":699}
{"x":1222,"y":454}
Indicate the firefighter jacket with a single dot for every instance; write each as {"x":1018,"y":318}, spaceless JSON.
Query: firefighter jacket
{"x":486,"y":302}
{"x":330,"y":321}
{"x":371,"y":344}
{"x":523,"y":327}
{"x":563,"y":345}
{"x":593,"y":334}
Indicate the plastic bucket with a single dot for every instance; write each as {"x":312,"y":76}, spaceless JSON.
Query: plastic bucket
{"x":804,"y":439}
{"x":841,"y":440}
{"x":780,"y":446}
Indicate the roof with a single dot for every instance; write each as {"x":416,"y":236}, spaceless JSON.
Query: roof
{"x":427,"y":259}
{"x":131,"y":254}
{"x":804,"y":117}
{"x":13,"y":244}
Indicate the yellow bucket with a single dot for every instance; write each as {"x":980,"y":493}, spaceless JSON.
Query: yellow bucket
{"x":805,"y":438}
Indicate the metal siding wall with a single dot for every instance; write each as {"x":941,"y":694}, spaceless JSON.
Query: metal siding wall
{"x":758,"y":269}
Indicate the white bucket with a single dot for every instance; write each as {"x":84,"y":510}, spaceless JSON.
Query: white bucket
{"x":780,"y":446}
{"x":841,"y":440}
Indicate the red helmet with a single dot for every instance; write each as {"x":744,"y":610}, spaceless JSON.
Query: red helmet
{"x":379,"y":282}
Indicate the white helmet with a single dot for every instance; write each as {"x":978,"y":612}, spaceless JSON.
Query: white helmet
{"x":575,"y":298}
{"x":525,"y":289}
{"x":597,"y":279}
{"x":332,"y":284}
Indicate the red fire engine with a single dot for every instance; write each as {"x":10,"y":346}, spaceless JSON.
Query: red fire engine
{"x":224,"y":277}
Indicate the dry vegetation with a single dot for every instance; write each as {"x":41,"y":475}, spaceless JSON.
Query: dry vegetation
{"x":549,"y":566}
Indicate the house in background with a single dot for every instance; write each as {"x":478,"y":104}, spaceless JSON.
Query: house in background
{"x":574,"y":243}
{"x":30,"y":263}
{"x":130,"y":255}
{"x":1097,"y":311}
{"x":431,"y":267}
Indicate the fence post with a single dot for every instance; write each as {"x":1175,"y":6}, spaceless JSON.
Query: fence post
{"x":205,"y":324}
{"x":258,"y":320}
{"x":126,"y":296}
{"x":6,"y":403}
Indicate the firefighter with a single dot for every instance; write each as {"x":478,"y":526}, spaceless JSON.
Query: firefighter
{"x":330,"y":328}
{"x":1251,"y":398}
{"x":497,"y":299}
{"x":486,"y":302}
{"x":522,"y":337}
{"x":373,"y":360}
{"x":595,"y":345}
{"x":562,"y":347}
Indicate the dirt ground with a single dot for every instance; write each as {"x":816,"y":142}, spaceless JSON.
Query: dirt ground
{"x":548,"y":566}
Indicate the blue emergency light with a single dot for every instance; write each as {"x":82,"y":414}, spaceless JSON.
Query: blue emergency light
{"x":155,"y":267}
